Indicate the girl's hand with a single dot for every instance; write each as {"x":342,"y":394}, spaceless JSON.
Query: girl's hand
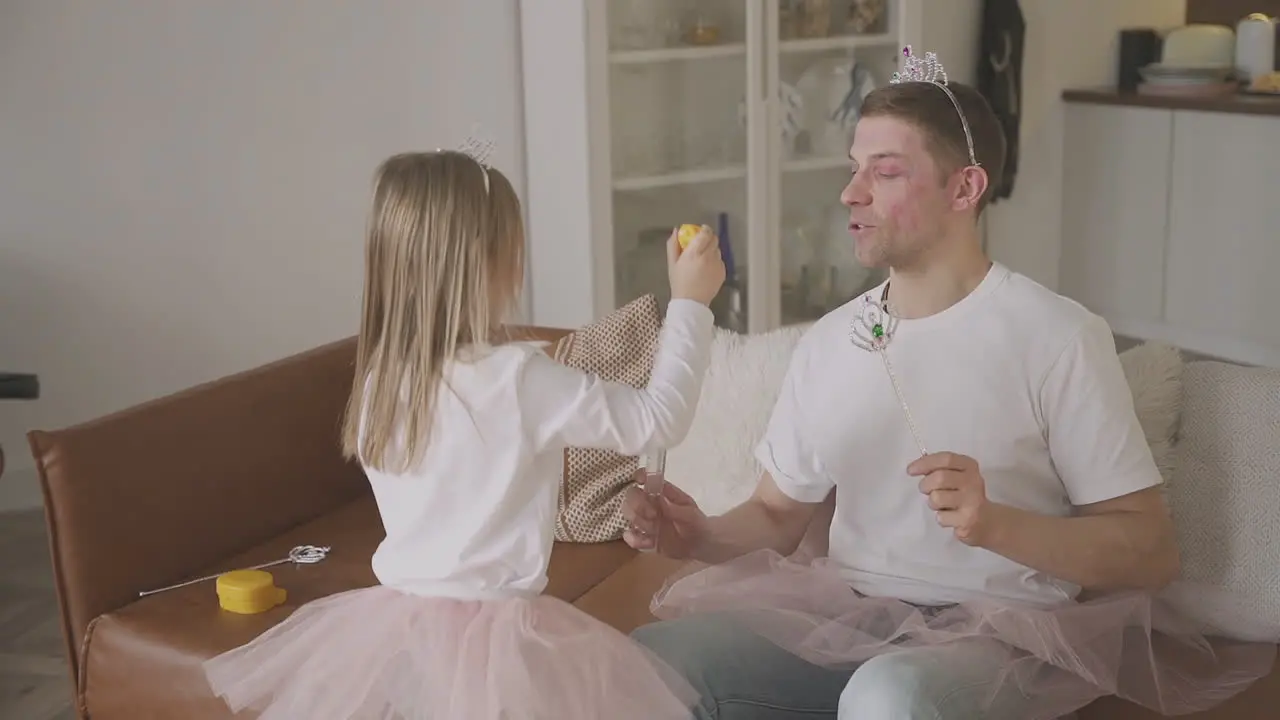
{"x":697,"y":272}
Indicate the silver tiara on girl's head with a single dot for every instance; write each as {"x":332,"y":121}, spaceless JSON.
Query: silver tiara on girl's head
{"x":929,"y":69}
{"x":477,"y":149}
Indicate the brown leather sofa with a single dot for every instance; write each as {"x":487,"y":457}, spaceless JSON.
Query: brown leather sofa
{"x":234,"y":473}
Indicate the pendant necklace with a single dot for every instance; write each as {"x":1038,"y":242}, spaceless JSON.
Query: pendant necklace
{"x":872,"y":330}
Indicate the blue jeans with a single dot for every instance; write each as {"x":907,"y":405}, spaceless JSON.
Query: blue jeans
{"x":742,"y":676}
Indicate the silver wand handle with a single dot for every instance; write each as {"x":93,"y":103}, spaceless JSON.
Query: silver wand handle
{"x":655,"y":477}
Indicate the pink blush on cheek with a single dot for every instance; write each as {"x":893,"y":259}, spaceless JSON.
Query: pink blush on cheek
{"x":902,"y":214}
{"x":906,"y":209}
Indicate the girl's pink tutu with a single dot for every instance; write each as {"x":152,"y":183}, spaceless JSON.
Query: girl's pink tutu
{"x":1128,"y":644}
{"x":380,"y":654}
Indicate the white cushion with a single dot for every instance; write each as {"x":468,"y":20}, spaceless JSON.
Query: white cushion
{"x":716,"y":462}
{"x":1225,"y":500}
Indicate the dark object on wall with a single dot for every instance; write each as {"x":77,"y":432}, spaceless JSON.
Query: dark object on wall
{"x":1000,"y":77}
{"x":1139,"y":47}
{"x":19,"y":386}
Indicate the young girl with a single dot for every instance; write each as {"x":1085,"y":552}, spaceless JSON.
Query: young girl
{"x":462,"y":441}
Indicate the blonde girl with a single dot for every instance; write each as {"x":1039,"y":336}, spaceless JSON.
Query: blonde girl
{"x":462,"y":439}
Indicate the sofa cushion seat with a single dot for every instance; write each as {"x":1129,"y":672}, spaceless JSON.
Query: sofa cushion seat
{"x":144,"y":660}
{"x":622,"y":600}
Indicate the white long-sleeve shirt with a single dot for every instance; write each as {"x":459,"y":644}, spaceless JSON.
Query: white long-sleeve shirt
{"x":476,"y":517}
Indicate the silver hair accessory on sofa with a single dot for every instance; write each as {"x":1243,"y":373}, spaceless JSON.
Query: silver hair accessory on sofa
{"x":479,"y":150}
{"x":871,"y":330}
{"x":929,"y":70}
{"x":300,"y":555}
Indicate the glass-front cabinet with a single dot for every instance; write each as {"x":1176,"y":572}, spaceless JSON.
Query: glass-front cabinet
{"x":737,"y":114}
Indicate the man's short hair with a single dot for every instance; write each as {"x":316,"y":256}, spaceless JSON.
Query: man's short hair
{"x":926,"y":107}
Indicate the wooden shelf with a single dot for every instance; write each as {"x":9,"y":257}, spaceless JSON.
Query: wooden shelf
{"x":687,"y":53}
{"x":677,"y":54}
{"x":837,"y":42}
{"x":810,"y":164}
{"x":721,"y":174}
{"x":686,"y":177}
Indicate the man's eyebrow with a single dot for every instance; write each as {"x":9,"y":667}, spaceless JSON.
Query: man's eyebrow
{"x":877,"y":156}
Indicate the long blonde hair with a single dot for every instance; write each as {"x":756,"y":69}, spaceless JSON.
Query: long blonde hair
{"x":444,"y":259}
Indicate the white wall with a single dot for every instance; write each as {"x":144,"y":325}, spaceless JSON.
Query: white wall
{"x":1068,"y":45}
{"x":183,"y":183}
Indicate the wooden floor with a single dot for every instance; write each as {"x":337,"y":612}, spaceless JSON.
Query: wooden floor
{"x":34,"y":681}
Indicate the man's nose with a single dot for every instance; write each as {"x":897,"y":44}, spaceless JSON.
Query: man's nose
{"x":855,"y":193}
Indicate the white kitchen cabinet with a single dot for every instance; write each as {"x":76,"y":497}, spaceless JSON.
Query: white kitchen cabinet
{"x":1169,"y":226}
{"x":1224,"y":229}
{"x":1115,"y":209}
{"x":644,"y":114}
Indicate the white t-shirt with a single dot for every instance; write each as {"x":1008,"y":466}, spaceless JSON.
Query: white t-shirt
{"x":1021,"y":379}
{"x":476,"y":518}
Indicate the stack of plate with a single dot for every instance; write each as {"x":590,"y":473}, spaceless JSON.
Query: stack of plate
{"x":1187,"y":81}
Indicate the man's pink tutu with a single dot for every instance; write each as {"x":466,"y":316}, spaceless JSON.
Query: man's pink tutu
{"x":380,"y":654}
{"x":1127,"y":644}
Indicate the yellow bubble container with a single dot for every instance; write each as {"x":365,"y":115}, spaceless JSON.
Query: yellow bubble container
{"x":686,"y":234}
{"x":249,"y":592}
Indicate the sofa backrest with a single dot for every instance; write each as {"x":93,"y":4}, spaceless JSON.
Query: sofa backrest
{"x":159,"y":493}
{"x":166,"y":491}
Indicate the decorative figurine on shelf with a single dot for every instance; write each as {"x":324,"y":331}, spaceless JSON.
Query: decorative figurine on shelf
{"x":865,"y":16}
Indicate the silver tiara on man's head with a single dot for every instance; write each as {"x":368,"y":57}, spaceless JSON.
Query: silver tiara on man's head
{"x":920,"y":69}
{"x":929,"y":69}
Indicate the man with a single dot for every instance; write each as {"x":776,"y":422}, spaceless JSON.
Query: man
{"x":990,"y":453}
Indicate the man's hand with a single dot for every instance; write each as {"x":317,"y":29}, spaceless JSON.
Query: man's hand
{"x":957,"y":494}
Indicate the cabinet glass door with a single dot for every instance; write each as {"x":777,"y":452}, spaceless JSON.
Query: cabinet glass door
{"x":826,"y":56}
{"x":678,"y":115}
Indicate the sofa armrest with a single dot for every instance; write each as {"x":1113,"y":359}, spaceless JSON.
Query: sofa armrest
{"x":152,"y":495}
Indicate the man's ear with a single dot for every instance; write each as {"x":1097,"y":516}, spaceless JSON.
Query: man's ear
{"x":971,"y":188}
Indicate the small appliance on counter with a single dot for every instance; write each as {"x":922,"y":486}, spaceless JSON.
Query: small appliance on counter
{"x":1196,"y":60}
{"x":1139,"y":47}
{"x":1255,"y":48}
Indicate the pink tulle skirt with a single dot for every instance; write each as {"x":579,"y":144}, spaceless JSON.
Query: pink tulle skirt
{"x":1129,"y":644}
{"x":379,"y":654}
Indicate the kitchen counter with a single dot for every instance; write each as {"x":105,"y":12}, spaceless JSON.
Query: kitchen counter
{"x":1240,"y":104}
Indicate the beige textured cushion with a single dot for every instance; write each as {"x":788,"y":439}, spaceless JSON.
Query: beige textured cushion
{"x":1154,"y":372}
{"x":619,"y":347}
{"x":1225,"y":500}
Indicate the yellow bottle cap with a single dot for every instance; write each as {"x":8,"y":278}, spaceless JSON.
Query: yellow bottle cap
{"x":248,"y":591}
